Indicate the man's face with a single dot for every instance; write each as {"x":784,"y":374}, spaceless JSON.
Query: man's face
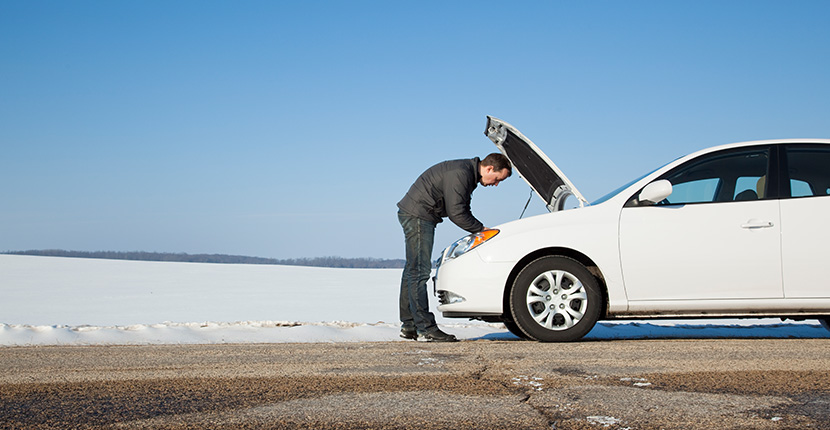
{"x":492,"y":177}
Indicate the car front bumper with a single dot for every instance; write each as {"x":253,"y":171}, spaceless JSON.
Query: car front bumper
{"x":469,"y":287}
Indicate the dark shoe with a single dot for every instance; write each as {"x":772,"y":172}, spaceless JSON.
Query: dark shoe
{"x":437,"y":336}
{"x":409,"y":333}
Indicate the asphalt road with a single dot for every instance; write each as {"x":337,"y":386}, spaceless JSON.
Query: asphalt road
{"x":639,"y":384}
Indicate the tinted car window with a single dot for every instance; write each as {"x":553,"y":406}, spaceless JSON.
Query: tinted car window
{"x":800,"y":188}
{"x":749,"y":188}
{"x":720,"y":177}
{"x":808,"y":167}
{"x":703,"y":190}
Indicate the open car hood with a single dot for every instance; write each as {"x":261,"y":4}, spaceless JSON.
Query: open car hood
{"x":533,"y":165}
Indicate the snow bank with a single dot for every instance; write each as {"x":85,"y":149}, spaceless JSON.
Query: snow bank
{"x":67,"y":301}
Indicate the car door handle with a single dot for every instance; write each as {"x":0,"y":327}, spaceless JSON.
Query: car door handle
{"x":754,"y":223}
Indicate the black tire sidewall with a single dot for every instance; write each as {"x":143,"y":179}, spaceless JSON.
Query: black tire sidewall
{"x":518,"y":299}
{"x":513,"y":328}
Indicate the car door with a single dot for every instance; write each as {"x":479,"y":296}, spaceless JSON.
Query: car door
{"x":717,"y":236}
{"x":806,"y":232}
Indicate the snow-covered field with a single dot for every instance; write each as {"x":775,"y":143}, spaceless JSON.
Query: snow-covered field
{"x":58,"y":301}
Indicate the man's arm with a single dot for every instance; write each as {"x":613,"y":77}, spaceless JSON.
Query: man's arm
{"x":457,"y":196}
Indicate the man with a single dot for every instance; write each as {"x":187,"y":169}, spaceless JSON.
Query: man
{"x":444,"y":190}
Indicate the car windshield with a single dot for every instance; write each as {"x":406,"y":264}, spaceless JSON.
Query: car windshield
{"x":620,"y":189}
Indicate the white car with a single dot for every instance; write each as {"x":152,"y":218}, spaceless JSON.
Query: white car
{"x":737,"y":231}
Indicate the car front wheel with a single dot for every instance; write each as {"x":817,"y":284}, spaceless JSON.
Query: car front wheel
{"x":555,"y":299}
{"x":514,"y":329}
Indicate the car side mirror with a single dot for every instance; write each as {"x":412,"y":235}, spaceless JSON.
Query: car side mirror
{"x":655,"y":192}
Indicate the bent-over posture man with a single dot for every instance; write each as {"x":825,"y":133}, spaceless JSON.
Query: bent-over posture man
{"x":444,"y":190}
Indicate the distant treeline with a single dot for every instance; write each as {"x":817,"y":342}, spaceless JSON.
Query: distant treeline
{"x":338,"y":262}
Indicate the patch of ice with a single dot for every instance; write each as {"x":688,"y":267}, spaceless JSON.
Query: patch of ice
{"x":603,"y":420}
{"x":528,"y":381}
{"x":429,"y":361}
{"x":637,"y":382}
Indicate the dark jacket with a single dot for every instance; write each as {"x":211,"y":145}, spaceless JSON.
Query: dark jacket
{"x":445,"y":190}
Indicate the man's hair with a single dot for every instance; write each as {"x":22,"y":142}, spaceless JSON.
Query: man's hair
{"x":499,"y":162}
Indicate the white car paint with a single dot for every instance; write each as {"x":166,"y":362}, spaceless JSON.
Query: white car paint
{"x":719,"y":258}
{"x":804,"y":243}
{"x":480,"y":275}
{"x":727,"y":258}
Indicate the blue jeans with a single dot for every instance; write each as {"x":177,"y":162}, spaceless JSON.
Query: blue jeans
{"x":420,"y":235}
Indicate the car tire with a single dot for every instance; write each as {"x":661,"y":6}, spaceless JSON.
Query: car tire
{"x":555,"y":299}
{"x":514,"y":329}
{"x":825,"y":322}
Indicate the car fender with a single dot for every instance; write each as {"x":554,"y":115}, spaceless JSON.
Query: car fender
{"x":591,"y":232}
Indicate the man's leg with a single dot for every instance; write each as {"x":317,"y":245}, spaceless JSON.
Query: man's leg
{"x":407,"y":320}
{"x":414,"y":303}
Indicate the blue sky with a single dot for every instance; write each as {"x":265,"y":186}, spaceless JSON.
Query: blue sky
{"x":291,"y":129}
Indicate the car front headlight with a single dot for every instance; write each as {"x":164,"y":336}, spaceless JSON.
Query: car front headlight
{"x":469,"y":242}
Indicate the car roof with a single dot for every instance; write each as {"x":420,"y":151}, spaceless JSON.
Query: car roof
{"x":680,"y":160}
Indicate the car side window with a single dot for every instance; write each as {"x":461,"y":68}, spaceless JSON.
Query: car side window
{"x":749,"y":188}
{"x":732,"y":175}
{"x":808,"y":167}
{"x":703,"y":190}
{"x":800,"y":188}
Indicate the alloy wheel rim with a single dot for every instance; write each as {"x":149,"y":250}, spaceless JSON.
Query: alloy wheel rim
{"x":557,"y":300}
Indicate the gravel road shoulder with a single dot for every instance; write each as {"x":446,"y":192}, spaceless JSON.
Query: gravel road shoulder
{"x":648,"y":384}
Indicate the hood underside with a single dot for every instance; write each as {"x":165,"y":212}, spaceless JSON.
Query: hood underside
{"x":543,"y":176}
